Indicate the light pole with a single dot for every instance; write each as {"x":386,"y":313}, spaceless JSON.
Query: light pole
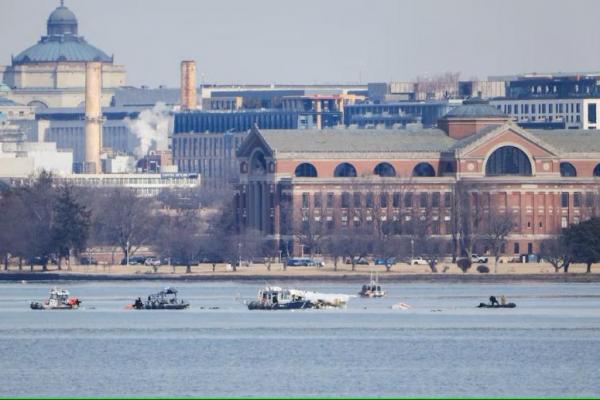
{"x":239,"y":254}
{"x":412,"y":249}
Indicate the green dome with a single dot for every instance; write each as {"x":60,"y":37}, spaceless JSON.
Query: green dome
{"x":61,"y":43}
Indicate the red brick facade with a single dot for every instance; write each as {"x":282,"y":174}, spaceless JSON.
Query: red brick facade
{"x":273,"y":199}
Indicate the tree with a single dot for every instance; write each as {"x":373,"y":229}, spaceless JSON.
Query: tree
{"x":334,"y":246}
{"x":123,"y":219}
{"x":466,"y":220}
{"x":431,"y":249}
{"x":310,"y":234}
{"x":39,"y":199}
{"x":355,"y":243}
{"x":464,"y":264}
{"x":180,"y":237}
{"x":583,"y":240}
{"x":71,"y":225}
{"x":557,"y":252}
{"x":497,"y":228}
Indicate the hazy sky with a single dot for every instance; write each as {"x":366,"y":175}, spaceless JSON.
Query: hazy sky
{"x":321,"y":41}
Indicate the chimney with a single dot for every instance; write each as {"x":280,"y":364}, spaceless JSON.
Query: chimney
{"x":318,"y":111}
{"x":93,"y":117}
{"x":188,"y":85}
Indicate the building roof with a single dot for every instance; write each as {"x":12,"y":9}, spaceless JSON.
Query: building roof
{"x":61,"y":43}
{"x":55,"y":49}
{"x":142,"y":97}
{"x":8,"y":102}
{"x":567,"y":141}
{"x":78,"y":113}
{"x":62,"y":14}
{"x":476,"y":109}
{"x":570,"y":140}
{"x":356,"y":140}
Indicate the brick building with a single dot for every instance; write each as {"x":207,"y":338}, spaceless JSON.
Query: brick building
{"x":547,"y":179}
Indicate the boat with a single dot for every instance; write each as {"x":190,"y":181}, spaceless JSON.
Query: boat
{"x":277,"y":298}
{"x":373,"y":289}
{"x":59,"y":300}
{"x":164,"y":300}
{"x":508,"y":305}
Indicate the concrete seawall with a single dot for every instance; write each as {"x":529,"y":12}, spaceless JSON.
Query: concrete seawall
{"x":324,"y":277}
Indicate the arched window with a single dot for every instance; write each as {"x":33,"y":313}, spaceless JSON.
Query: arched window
{"x":508,"y":160}
{"x":345,"y":170}
{"x":423,"y":169}
{"x":37,"y":104}
{"x":258,"y":164}
{"x":597,"y":170}
{"x":384,"y":170}
{"x":567,"y":169}
{"x":306,"y":170}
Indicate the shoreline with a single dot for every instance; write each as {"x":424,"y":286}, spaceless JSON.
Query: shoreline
{"x":356,"y":277}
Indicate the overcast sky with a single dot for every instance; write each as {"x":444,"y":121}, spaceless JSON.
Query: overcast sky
{"x":321,"y":41}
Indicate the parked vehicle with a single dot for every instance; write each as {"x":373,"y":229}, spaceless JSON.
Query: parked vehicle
{"x":418,"y":261}
{"x":301,"y":262}
{"x":358,"y":261}
{"x":478,"y":259}
{"x":87,"y":260}
{"x":134,"y":260}
{"x":152,"y":261}
{"x":385,"y":261}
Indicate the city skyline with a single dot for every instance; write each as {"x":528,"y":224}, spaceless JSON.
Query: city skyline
{"x":318,"y":42}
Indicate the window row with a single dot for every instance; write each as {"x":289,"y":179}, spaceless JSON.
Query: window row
{"x":347,"y":170}
{"x":543,"y":108}
{"x":384,"y":200}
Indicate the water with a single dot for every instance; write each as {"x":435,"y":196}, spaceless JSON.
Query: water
{"x":443,"y":346}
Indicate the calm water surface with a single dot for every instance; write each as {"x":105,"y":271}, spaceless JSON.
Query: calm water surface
{"x":442,"y":346}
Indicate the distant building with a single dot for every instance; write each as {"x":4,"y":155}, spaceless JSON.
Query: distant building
{"x":211,"y":154}
{"x":569,"y":112}
{"x":546,"y":179}
{"x":425,"y":112}
{"x":145,"y":185}
{"x":51,"y":73}
{"x":20,"y":158}
{"x":481,"y":89}
{"x":65,"y":127}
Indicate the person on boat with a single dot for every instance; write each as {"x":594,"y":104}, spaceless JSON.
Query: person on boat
{"x":503,"y":300}
{"x":494,"y":301}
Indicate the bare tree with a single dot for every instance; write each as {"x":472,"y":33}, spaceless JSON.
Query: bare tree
{"x":180,"y":238}
{"x":122,"y":218}
{"x":497,"y":228}
{"x":431,"y":249}
{"x":557,"y":252}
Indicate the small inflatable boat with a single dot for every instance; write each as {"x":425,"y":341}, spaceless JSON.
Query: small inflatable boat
{"x":508,"y":305}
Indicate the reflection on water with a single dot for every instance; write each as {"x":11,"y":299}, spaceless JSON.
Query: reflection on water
{"x":441,"y":346}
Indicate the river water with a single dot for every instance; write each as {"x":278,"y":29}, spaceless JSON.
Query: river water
{"x":442,"y":346}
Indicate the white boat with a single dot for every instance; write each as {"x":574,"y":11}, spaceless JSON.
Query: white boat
{"x":59,"y":300}
{"x":323,"y":299}
{"x":277,"y":298}
{"x":373,"y":289}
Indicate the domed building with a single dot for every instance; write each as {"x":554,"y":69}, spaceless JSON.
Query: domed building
{"x":51,"y":73}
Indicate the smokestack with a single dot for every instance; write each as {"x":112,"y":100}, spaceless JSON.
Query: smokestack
{"x":188,"y":85}
{"x":318,"y":111}
{"x":93,"y":117}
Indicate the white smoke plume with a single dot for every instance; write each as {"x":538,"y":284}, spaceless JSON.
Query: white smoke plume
{"x":152,"y":129}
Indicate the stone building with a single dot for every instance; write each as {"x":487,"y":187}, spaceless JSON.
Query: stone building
{"x":546,"y":179}
{"x":51,"y":73}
